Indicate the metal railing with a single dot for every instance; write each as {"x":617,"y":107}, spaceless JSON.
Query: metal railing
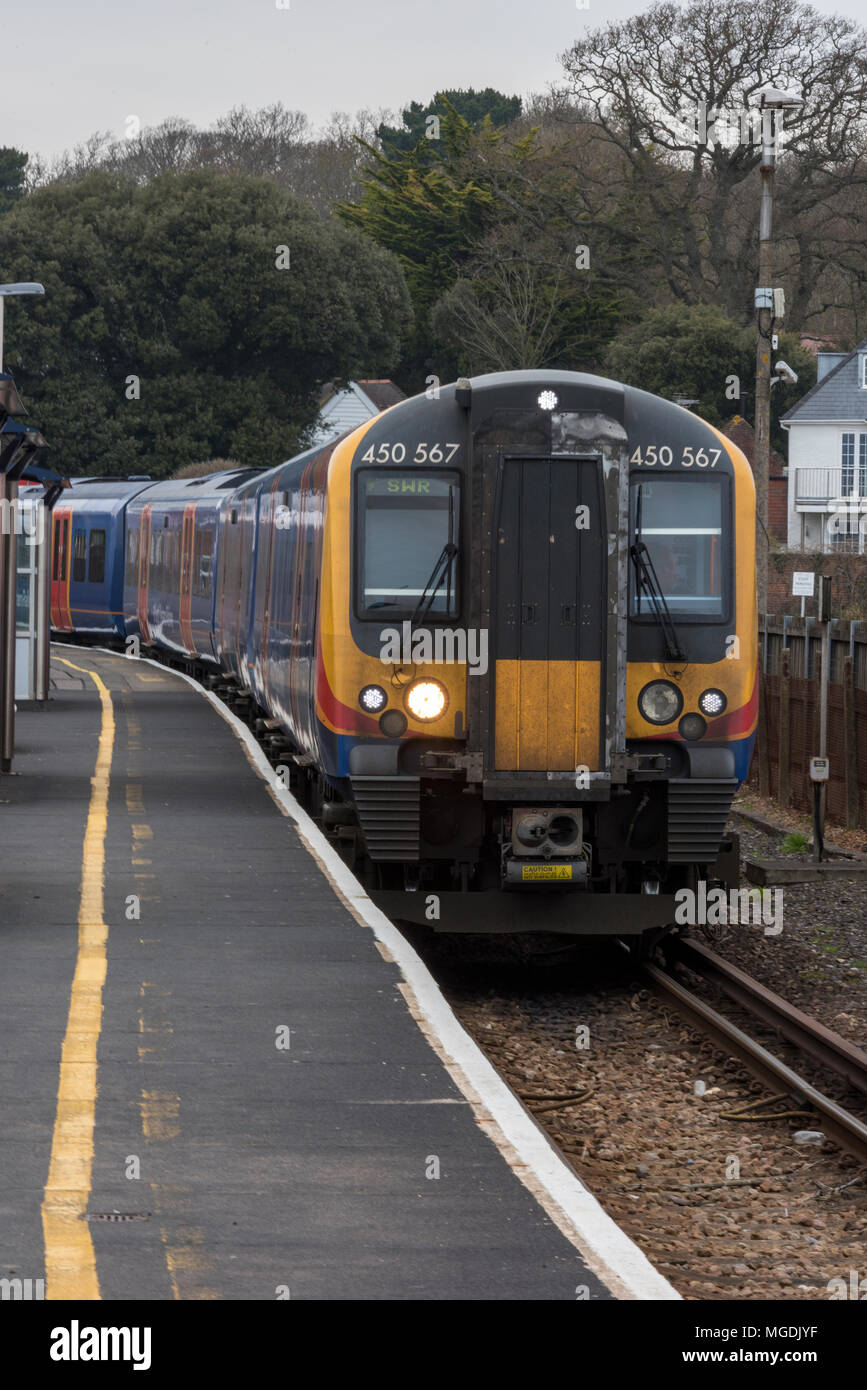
{"x":824,"y":486}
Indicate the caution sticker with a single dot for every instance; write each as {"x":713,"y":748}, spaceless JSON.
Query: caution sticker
{"x":546,"y":871}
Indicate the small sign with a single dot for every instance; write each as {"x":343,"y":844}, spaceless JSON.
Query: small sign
{"x":819,"y":768}
{"x":803,"y":584}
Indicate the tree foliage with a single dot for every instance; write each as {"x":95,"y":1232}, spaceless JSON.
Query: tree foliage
{"x":168,"y":333}
{"x":487,"y":226}
{"x":474,"y":107}
{"x":274,"y":143}
{"x":13,"y":166}
{"x":704,"y":356}
{"x":647,"y":79}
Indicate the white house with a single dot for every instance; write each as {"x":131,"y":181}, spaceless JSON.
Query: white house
{"x":353,"y":405}
{"x":828,"y":457}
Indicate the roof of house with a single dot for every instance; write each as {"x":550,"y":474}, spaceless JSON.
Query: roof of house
{"x":838,"y":396}
{"x":741,"y":432}
{"x":382,"y":392}
{"x":350,"y":406}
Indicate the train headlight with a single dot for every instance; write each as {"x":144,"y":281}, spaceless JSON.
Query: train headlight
{"x":426,"y":700}
{"x":712,"y":703}
{"x":660,"y":702}
{"x":372,"y":698}
{"x":692,"y":726}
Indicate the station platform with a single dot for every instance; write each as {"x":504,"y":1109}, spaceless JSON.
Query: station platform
{"x":212,"y":1083}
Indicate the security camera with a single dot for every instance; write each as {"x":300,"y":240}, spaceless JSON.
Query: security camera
{"x":784,"y":371}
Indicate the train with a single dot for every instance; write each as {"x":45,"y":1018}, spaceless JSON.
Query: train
{"x":501,"y":639}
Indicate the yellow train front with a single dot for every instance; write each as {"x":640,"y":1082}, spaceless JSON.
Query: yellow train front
{"x":536,"y":675}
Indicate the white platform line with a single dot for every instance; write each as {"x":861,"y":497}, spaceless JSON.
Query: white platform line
{"x":608,"y":1251}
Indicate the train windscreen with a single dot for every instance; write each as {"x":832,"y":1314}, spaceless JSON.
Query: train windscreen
{"x":406,"y":524}
{"x":684,"y":528}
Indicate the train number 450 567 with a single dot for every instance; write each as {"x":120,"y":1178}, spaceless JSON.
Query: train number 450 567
{"x":424,"y":453}
{"x":663,"y":454}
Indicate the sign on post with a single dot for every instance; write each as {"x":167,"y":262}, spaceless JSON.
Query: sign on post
{"x":803,"y":584}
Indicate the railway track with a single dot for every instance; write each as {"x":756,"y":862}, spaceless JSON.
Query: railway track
{"x":810,"y":1037}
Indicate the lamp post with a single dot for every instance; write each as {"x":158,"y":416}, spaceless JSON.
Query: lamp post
{"x":7,"y":291}
{"x":768,"y":304}
{"x":9,"y":570}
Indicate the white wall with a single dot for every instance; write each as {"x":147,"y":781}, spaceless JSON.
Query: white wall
{"x":812,"y":446}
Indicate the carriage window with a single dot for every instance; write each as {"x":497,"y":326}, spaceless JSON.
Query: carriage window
{"x":132,"y":547}
{"x":683,"y":526}
{"x":79,"y":556}
{"x":204,"y":568}
{"x":405,"y":523}
{"x":96,"y":564}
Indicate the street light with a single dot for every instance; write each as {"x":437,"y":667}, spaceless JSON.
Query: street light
{"x":22,"y":287}
{"x":769,"y":307}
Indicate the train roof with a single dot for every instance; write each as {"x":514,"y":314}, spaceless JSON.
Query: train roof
{"x":196,"y":489}
{"x":107,"y":486}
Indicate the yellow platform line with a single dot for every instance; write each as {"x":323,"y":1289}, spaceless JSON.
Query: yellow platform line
{"x":70,"y":1262}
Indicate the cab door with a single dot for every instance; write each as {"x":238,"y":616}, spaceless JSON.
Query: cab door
{"x":61,"y":525}
{"x":188,"y":531}
{"x":144,"y":560}
{"x":549,"y":615}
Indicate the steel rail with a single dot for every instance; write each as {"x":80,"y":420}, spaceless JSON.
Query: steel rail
{"x":849,"y":1132}
{"x":805,"y":1032}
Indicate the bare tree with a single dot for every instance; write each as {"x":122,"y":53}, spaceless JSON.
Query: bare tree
{"x":695,"y":188}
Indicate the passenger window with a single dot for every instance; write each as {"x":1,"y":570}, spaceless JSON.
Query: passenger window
{"x":96,"y":570}
{"x":79,"y":557}
{"x":205,"y":565}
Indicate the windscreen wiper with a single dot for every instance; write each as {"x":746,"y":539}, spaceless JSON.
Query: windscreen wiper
{"x":649,"y":584}
{"x":442,"y":569}
{"x":445,"y":558}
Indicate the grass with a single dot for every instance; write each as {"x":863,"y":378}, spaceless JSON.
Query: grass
{"x":795,"y":843}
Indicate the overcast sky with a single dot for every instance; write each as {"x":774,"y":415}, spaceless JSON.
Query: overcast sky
{"x":72,"y":67}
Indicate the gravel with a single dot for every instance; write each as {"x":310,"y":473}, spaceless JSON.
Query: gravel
{"x":672,"y":1136}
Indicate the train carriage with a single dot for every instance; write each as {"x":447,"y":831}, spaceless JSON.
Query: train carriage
{"x":87,"y":556}
{"x":534,"y":646}
{"x":172,"y":556}
{"x":505,"y":634}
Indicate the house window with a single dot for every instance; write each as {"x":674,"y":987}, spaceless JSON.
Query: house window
{"x":847,"y":461}
{"x":853,"y":484}
{"x":862,"y":371}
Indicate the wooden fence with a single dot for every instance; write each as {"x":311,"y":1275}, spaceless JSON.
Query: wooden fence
{"x":791,"y":653}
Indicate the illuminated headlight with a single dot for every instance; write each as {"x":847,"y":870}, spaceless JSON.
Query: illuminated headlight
{"x":426,"y":700}
{"x":372,"y":698}
{"x":660,"y":702}
{"x":547,"y":400}
{"x":712,"y":702}
{"x":692,"y":726}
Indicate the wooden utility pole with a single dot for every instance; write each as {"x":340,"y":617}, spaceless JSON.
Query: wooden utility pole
{"x":765,"y":326}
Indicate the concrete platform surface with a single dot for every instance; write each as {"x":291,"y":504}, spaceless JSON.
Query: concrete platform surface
{"x":211,"y":1081}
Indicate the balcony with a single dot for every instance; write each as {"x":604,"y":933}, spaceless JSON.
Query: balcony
{"x":831,"y":490}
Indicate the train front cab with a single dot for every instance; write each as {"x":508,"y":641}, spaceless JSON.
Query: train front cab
{"x":541,"y":774}
{"x":87,"y":556}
